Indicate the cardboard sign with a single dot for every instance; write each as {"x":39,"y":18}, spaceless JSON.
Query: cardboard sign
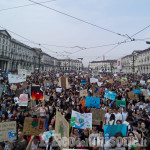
{"x":97,"y":115}
{"x":146,"y":95}
{"x":24,"y":85}
{"x":36,"y":93}
{"x":61,"y":129}
{"x":81,"y":121}
{"x":46,"y":97}
{"x":23,"y":100}
{"x":32,"y":103}
{"x":132,"y":96}
{"x":111,"y":81}
{"x":92,"y":102}
{"x":47,"y":83}
{"x":63,"y":82}
{"x":33,"y":126}
{"x":13,"y":87}
{"x":83,"y":93}
{"x":95,"y":91}
{"x":8,"y":131}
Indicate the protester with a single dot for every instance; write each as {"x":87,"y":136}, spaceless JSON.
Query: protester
{"x":123,"y":109}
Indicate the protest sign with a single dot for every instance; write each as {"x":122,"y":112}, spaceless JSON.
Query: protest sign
{"x":63,"y":83}
{"x":47,"y":83}
{"x":146,"y":95}
{"x":57,"y":75}
{"x":99,"y":83}
{"x":137,"y":91}
{"x":111,"y":130}
{"x":23,"y":100}
{"x":1,"y":89}
{"x":58,"y":90}
{"x":32,"y":103}
{"x":46,"y":98}
{"x":24,"y":85}
{"x":95,"y":91}
{"x":83,"y":93}
{"x":8,"y":131}
{"x":16,"y":78}
{"x":124,"y":81}
{"x":61,"y":128}
{"x":16,"y":100}
{"x":111,"y":81}
{"x":148,"y":80}
{"x":83,"y":81}
{"x":97,"y":116}
{"x":92,"y":102}
{"x":133,"y":84}
{"x":47,"y":135}
{"x":33,"y":126}
{"x":93,"y":80}
{"x":132,"y":96}
{"x":81,"y":121}
{"x":120,"y":103}
{"x":36,"y":93}
{"x":142,"y":82}
{"x":110,"y":95}
{"x":13,"y":87}
{"x":83,"y":103}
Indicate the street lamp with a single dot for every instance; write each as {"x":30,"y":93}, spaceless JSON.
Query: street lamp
{"x":147,"y":42}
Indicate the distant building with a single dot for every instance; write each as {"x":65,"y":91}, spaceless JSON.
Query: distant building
{"x":71,"y":65}
{"x":15,"y":55}
{"x":103,"y":66}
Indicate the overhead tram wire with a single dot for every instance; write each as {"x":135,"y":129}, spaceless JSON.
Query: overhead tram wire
{"x":16,"y":7}
{"x":81,"y":20}
{"x":29,"y":40}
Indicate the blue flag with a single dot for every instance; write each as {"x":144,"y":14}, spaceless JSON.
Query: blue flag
{"x":137,"y":91}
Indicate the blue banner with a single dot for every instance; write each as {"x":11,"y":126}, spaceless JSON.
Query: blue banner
{"x":137,"y":91}
{"x":111,"y":130}
{"x":83,"y":81}
{"x":92,"y":102}
{"x":110,"y":95}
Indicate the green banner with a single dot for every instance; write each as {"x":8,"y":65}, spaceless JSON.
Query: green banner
{"x":120,"y":103}
{"x":133,"y":84}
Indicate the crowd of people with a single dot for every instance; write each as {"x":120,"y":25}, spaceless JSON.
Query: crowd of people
{"x":136,"y":114}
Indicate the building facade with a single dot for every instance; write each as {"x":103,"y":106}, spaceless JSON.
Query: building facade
{"x":15,"y":55}
{"x":71,"y":65}
{"x":138,"y":61}
{"x":103,"y":66}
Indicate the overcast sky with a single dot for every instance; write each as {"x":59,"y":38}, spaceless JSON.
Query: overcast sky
{"x":45,"y":26}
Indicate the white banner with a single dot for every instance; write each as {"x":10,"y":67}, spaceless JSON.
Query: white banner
{"x":119,"y":67}
{"x":16,"y":78}
{"x":24,"y":71}
{"x":81,"y":121}
{"x":93,"y":80}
